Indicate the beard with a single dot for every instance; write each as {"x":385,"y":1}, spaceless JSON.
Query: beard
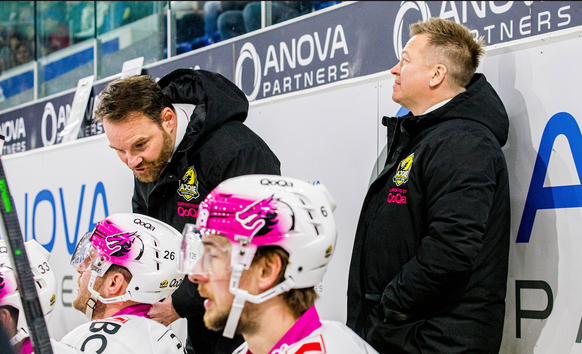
{"x":246,"y":324}
{"x":155,"y":168}
{"x":80,"y":302}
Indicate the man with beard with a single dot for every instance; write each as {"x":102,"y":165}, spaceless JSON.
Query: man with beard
{"x":259,"y":247}
{"x":126,"y":264}
{"x":181,"y":137}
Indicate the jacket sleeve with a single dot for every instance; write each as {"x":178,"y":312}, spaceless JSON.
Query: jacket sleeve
{"x":186,"y":300}
{"x":459,"y":181}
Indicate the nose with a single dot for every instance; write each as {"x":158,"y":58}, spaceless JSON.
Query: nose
{"x":198,"y":278}
{"x":395,"y":69}
{"x":133,"y":160}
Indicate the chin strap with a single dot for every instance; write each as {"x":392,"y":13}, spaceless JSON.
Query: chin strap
{"x":20,"y":335}
{"x":95,"y":296}
{"x":241,"y":296}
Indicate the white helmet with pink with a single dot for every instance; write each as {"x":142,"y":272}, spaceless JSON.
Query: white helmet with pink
{"x":147,"y":247}
{"x":265,"y":210}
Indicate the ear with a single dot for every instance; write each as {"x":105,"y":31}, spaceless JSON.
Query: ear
{"x":114,"y":285}
{"x":269,"y":268}
{"x":439,"y":74}
{"x":169,"y":119}
{"x":5,"y":318}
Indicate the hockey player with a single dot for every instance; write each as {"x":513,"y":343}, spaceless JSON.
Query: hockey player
{"x":127,"y":263}
{"x":12,"y":316}
{"x":260,"y":245}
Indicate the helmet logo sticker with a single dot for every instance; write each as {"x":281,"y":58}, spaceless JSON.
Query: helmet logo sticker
{"x":403,"y":171}
{"x":122,"y":245}
{"x":260,"y":216}
{"x":189,"y":185}
{"x":164,"y":284}
{"x":328,"y":252}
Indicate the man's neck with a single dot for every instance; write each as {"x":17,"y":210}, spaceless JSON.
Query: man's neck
{"x":274,"y":320}
{"x":439,"y":96}
{"x":113,"y":308}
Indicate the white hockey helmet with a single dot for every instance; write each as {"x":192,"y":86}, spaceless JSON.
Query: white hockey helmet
{"x":147,"y":247}
{"x":265,"y":210}
{"x":44,"y":278}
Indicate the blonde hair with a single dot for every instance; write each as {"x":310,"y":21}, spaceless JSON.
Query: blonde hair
{"x":298,"y":300}
{"x":453,"y":43}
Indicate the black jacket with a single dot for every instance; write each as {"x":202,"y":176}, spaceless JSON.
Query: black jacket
{"x":216,"y":146}
{"x":429,"y":265}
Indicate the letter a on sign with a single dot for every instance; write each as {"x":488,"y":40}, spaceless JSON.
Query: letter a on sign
{"x":540,"y":197}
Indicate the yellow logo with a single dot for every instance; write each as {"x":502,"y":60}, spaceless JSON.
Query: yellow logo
{"x":328,"y":252}
{"x":53,"y":300}
{"x":403,"y":171}
{"x":164,"y":284}
{"x":189,"y":184}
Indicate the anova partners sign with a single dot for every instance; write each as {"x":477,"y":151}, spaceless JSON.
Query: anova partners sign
{"x":343,"y":44}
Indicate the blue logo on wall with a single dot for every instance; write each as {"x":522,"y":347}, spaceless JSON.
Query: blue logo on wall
{"x":540,"y":197}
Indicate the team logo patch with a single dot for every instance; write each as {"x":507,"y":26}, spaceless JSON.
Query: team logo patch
{"x":403,"y":171}
{"x":164,"y":284}
{"x":189,"y":184}
{"x":328,"y":252}
{"x":125,"y":245}
{"x":261,"y":217}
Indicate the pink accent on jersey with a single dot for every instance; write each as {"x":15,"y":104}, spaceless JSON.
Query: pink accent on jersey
{"x":140,"y":310}
{"x":27,"y":347}
{"x":259,"y":220}
{"x":304,"y":326}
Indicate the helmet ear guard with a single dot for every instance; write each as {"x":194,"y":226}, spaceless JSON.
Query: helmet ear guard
{"x":268,"y":210}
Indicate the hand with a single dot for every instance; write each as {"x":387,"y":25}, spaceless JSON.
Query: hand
{"x":163,"y":312}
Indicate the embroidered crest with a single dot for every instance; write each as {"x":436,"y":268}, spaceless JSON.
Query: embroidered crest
{"x":403,"y":171}
{"x":189,"y":185}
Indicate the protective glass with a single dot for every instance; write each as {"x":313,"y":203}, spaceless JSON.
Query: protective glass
{"x":85,"y":254}
{"x":201,"y":253}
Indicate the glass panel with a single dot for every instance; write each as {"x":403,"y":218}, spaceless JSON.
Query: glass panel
{"x":16,"y":52}
{"x":65,"y":41}
{"x":285,"y":10}
{"x":190,"y":32}
{"x":129,"y":30}
{"x":200,"y":23}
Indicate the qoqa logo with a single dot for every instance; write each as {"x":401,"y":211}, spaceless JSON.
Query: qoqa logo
{"x":396,"y":198}
{"x":248,"y":51}
{"x":399,"y":22}
{"x":280,"y":183}
{"x":145,"y":225}
{"x":192,"y":212}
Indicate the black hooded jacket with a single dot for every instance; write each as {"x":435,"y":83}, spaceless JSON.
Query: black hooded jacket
{"x":216,"y":146}
{"x":429,"y":265}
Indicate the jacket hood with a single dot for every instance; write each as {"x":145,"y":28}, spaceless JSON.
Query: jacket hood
{"x":217,"y":99}
{"x":479,"y":103}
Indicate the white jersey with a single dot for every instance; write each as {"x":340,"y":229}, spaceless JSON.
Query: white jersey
{"x":124,"y":334}
{"x":310,"y":335}
{"x":58,"y":348}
